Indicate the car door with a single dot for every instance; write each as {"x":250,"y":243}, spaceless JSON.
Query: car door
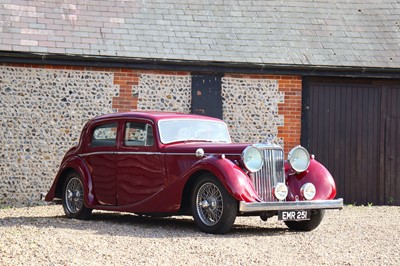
{"x":139,"y":173}
{"x":101,"y":160}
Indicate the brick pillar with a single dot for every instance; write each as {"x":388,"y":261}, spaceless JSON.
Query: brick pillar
{"x":126,"y":79}
{"x":291,"y":86}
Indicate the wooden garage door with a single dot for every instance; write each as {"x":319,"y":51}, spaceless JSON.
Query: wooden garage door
{"x":353,"y":129}
{"x":392,"y":146}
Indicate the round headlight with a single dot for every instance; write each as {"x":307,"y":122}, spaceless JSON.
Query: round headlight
{"x":280,"y":191}
{"x":308,"y":191}
{"x":252,"y":159}
{"x":299,"y":159}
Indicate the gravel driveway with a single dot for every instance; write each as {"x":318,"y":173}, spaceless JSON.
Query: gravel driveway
{"x":43,"y":236}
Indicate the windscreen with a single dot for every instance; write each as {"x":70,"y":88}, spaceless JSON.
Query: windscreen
{"x":181,"y":130}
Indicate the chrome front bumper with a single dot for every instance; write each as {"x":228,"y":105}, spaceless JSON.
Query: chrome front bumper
{"x":248,"y":207}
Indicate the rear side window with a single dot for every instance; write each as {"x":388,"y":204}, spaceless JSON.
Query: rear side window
{"x":104,"y":135}
{"x":138,"y":134}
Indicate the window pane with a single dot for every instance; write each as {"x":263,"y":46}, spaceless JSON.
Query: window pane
{"x":105,"y":135}
{"x":138,"y":134}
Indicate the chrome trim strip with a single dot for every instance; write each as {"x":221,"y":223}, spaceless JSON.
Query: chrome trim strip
{"x":96,"y":153}
{"x":205,"y":154}
{"x":180,"y":154}
{"x":127,"y":152}
{"x":151,"y":153}
{"x":247,"y":207}
{"x":139,"y":153}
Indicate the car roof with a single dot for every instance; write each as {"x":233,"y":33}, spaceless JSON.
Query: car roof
{"x":151,"y":115}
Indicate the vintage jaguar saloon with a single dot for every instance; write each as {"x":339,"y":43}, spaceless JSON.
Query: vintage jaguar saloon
{"x":157,"y":163}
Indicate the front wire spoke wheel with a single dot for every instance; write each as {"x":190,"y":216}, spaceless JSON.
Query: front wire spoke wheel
{"x":214,"y":210}
{"x":209,"y":204}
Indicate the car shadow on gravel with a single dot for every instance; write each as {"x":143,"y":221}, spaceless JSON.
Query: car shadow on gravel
{"x":181,"y":225}
{"x":125,"y":224}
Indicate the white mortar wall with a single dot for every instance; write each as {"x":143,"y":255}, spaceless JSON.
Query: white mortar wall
{"x":164,"y":93}
{"x":250,"y":108}
{"x":42,"y":113}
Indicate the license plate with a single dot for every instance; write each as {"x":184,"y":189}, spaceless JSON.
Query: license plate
{"x":294,"y":215}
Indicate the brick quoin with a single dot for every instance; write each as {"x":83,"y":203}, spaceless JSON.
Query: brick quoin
{"x":126,"y":79}
{"x":291,"y":86}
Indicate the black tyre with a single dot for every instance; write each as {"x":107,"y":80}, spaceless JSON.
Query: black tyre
{"x":309,"y":225}
{"x":72,"y":198}
{"x":214,"y":210}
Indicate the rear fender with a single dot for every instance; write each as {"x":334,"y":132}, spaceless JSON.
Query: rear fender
{"x":78,"y":165}
{"x":316,"y":174}
{"x":234,"y":179}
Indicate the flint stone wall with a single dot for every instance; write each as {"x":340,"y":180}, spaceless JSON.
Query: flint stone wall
{"x":164,"y":93}
{"x":250,"y":109}
{"x":250,"y":106}
{"x":42,"y":113}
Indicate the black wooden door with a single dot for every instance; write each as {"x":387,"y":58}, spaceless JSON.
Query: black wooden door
{"x":392,"y":147}
{"x":206,"y":95}
{"x":345,"y":126}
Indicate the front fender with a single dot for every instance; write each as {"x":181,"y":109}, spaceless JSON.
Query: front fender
{"x":234,"y":179}
{"x":78,"y":165}
{"x":316,"y":174}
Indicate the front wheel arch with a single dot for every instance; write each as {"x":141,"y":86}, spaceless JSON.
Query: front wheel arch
{"x":213,"y":208}
{"x":187,"y":191}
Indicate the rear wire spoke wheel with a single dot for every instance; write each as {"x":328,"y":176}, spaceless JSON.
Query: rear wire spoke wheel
{"x":73,"y":198}
{"x":213,"y":209}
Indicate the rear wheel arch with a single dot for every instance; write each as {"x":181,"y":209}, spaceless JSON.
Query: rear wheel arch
{"x":80,"y":169}
{"x":73,"y":197}
{"x":61,"y":181}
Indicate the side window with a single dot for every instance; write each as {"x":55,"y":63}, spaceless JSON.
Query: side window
{"x":104,"y":135}
{"x":138,"y":134}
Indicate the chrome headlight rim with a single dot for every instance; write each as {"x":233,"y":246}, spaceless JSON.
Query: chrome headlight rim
{"x":252,"y":164}
{"x":293,"y":159}
{"x":308,"y":191}
{"x":280,"y":191}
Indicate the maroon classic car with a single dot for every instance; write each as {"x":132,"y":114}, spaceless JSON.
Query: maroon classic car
{"x":157,"y":163}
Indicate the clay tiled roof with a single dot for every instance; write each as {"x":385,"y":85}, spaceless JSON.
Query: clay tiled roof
{"x":364,"y":33}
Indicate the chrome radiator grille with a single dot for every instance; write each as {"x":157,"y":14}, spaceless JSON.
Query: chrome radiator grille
{"x":271,"y":173}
